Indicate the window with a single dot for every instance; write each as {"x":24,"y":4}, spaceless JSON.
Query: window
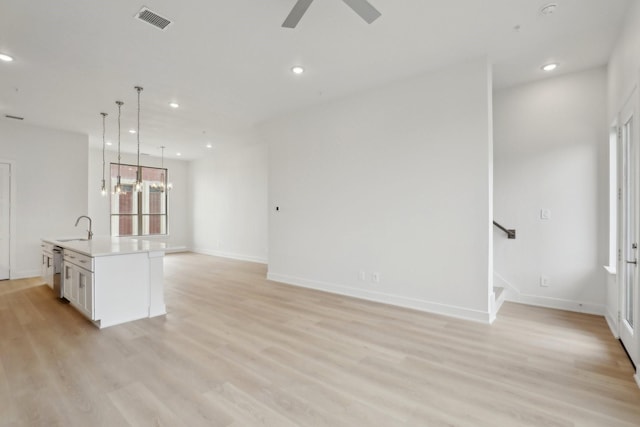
{"x":143,"y":213}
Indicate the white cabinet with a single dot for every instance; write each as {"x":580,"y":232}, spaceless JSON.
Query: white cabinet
{"x":47,"y":268}
{"x":110,"y":280}
{"x":79,"y":282}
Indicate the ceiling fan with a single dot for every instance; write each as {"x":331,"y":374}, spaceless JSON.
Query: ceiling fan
{"x":361,"y":7}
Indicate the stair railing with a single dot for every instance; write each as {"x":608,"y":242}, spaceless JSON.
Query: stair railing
{"x":511,"y":234}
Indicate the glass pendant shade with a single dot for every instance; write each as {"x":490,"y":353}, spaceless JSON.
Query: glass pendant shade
{"x":163,"y":185}
{"x":118,"y":188}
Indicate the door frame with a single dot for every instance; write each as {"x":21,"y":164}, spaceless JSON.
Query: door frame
{"x":630,"y":339}
{"x":12,"y":215}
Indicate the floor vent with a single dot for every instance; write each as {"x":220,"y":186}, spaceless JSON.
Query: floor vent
{"x":153,"y":18}
{"x":13,"y":117}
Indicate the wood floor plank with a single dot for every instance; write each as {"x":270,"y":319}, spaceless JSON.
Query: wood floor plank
{"x":238,"y":350}
{"x":140,"y":407}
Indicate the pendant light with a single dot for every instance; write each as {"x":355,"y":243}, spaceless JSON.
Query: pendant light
{"x":103,"y":189}
{"x":138,"y":185}
{"x":118,"y":188}
{"x":163,"y":185}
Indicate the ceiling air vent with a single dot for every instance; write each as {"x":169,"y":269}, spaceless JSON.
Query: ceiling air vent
{"x":153,"y":18}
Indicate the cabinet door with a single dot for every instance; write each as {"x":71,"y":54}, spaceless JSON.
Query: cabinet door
{"x":43,"y":266}
{"x":69,"y":282}
{"x":50,"y":270}
{"x":85,"y":291}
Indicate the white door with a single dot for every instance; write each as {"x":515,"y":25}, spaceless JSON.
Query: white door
{"x":5,"y":197}
{"x":628,"y":260}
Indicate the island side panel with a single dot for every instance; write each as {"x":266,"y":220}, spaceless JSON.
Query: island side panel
{"x":121,"y":288}
{"x":156,"y":284}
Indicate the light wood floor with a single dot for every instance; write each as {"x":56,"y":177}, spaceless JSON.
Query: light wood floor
{"x":238,"y":350}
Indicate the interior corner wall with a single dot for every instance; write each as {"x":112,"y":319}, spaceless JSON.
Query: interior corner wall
{"x":229,"y":207}
{"x":385,"y":195}
{"x":50,"y":180}
{"x":179,"y":225}
{"x":551,"y":152}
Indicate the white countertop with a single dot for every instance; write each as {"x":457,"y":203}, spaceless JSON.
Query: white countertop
{"x":106,"y":245}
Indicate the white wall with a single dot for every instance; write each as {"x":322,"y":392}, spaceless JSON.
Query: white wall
{"x":551,"y":152}
{"x":50,"y":181}
{"x":230,"y":206}
{"x":395,"y":181}
{"x":179,"y":204}
{"x":624,"y":63}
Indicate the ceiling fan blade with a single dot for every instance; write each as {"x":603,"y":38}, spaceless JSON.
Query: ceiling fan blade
{"x":296,"y":13}
{"x":364,"y":9}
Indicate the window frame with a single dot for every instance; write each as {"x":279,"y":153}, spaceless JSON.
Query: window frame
{"x":139,"y":205}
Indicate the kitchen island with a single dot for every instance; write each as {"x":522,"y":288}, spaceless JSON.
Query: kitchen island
{"x":112,"y":280}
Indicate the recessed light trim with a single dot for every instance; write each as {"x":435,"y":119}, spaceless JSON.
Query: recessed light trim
{"x":174,"y":105}
{"x":209,"y":145}
{"x":548,"y":9}
{"x":297,"y":69}
{"x":178,"y":154}
{"x":6,"y":58}
{"x":549,"y":67}
{"x":132,"y":131}
{"x":109,"y":143}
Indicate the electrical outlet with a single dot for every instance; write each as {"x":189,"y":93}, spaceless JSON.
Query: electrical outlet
{"x":375,"y":277}
{"x":545,"y":281}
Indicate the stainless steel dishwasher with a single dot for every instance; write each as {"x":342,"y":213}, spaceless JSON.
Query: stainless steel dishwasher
{"x":58,"y":277}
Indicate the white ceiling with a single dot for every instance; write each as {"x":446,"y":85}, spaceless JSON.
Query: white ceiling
{"x":227,"y":63}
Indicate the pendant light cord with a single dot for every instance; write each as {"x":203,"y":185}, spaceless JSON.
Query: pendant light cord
{"x":104,"y":116}
{"x":120,"y":103}
{"x":138,"y":173}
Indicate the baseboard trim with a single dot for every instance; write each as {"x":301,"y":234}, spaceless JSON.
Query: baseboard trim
{"x":613,"y":325}
{"x":230,"y":255}
{"x":25,"y":274}
{"x":513,"y":294}
{"x":176,"y":249}
{"x":400,"y":301}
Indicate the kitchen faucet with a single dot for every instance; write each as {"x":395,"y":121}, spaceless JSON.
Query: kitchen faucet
{"x":90,"y":235}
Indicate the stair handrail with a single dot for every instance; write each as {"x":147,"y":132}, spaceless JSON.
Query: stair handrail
{"x":511,"y":233}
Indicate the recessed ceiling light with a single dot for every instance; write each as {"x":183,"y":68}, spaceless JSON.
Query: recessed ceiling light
{"x":5,"y":58}
{"x":178,"y":154}
{"x":109,"y":143}
{"x":550,"y":67}
{"x":132,"y":131}
{"x":297,"y":70}
{"x":548,"y":9}
{"x":209,"y":145}
{"x":174,"y":105}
